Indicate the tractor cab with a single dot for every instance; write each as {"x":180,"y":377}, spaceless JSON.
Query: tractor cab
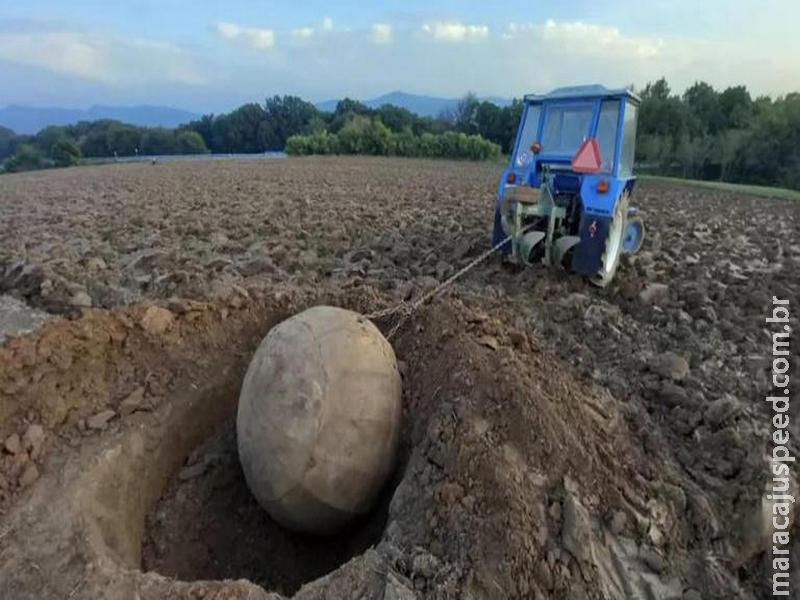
{"x":564,"y":196}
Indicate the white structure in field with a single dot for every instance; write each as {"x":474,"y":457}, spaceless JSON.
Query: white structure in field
{"x":319,"y":416}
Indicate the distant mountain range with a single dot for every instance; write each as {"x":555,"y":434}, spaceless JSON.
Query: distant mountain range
{"x":29,"y":119}
{"x":425,"y":106}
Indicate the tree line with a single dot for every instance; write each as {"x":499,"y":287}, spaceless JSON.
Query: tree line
{"x":724,"y":136}
{"x":64,"y":146}
{"x":703,"y":133}
{"x":292,"y":124}
{"x":352,"y":128}
{"x":362,"y":134}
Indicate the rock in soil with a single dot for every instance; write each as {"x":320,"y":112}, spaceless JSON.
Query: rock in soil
{"x":157,"y":320}
{"x":132,"y":402}
{"x":671,"y":366}
{"x":12,"y":444}
{"x":17,"y":318}
{"x":654,"y":293}
{"x":100,"y":420}
{"x":33,"y":438}
{"x":29,"y":476}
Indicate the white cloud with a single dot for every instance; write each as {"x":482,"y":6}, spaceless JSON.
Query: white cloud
{"x":584,"y":39}
{"x":380,"y":33}
{"x":327,"y":24}
{"x":454,"y":31}
{"x":104,"y":59}
{"x":597,"y":38}
{"x":258,"y":39}
{"x":303,"y":34}
{"x":63,"y":52}
{"x":228,"y":30}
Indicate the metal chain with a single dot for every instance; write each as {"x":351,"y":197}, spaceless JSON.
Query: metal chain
{"x":408,"y":308}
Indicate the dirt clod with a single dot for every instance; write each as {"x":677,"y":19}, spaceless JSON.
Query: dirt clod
{"x":132,"y":402}
{"x":33,"y":438}
{"x":654,"y":293}
{"x":157,"y":320}
{"x":81,"y":299}
{"x":12,"y":444}
{"x":100,"y":420}
{"x":29,"y":476}
{"x":671,"y":366}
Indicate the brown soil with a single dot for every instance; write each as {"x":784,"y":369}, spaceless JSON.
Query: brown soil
{"x":208,"y":526}
{"x":552,"y":446}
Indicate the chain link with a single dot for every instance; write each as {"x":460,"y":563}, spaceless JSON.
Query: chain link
{"x":406,"y":309}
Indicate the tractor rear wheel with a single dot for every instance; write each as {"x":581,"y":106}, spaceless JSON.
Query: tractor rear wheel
{"x":614,"y":243}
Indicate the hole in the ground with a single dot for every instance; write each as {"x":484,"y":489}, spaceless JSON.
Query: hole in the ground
{"x":139,"y":513}
{"x":207,"y":525}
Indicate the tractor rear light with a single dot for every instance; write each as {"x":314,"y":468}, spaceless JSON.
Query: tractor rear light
{"x":536,"y":147}
{"x":602,"y":186}
{"x":511,"y":178}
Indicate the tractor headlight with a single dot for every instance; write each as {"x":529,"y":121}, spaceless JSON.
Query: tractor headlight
{"x":524,"y":158}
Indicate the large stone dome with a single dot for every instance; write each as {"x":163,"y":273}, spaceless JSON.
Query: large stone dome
{"x":319,"y":418}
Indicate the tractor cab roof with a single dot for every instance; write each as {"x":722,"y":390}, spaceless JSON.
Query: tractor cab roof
{"x":580,"y":92}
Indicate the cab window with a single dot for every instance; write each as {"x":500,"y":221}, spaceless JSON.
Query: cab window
{"x":607,"y":134}
{"x":628,"y":140}
{"x":566,"y":127}
{"x":529,"y":130}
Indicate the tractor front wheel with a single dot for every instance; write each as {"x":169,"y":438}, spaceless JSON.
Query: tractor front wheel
{"x":634,"y":235}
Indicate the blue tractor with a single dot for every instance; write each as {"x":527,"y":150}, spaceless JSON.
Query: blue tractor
{"x":564,"y":198}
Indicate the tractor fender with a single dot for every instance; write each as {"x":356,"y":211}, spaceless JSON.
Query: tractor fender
{"x":602,"y":205}
{"x":588,"y":256}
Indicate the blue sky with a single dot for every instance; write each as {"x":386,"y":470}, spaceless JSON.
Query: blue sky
{"x":212,"y":56}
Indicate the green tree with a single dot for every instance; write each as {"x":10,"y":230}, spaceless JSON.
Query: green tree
{"x":345,"y":110}
{"x":661,"y":113}
{"x":396,"y":118}
{"x":466,"y":116}
{"x":736,"y":106}
{"x":157,"y":141}
{"x":94,"y":141}
{"x":704,"y":108}
{"x":8,"y":142}
{"x":65,"y":153}
{"x":363,"y":135}
{"x":47,"y":137}
{"x":205,"y":127}
{"x":286,"y":116}
{"x":122,"y":139}
{"x":297,"y":145}
{"x":244,"y":125}
{"x":191,"y":142}
{"x":223,"y":136}
{"x":770,"y":150}
{"x":26,"y":158}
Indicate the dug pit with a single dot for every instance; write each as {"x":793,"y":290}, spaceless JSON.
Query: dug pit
{"x":158,"y":500}
{"x":207,"y":525}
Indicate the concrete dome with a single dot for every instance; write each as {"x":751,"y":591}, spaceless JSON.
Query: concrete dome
{"x":319,"y":419}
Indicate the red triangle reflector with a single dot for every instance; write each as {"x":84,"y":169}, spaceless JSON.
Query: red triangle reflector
{"x":587,"y":158}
